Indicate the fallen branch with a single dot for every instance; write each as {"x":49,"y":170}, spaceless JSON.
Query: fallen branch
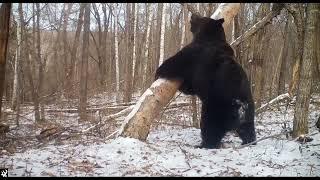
{"x":89,"y":110}
{"x":112,"y":116}
{"x":273,"y":101}
{"x":275,"y":11}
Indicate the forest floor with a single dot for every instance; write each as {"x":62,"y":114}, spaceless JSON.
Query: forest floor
{"x":62,"y":146}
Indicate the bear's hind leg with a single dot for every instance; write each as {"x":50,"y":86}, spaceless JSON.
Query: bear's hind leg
{"x":212,"y":132}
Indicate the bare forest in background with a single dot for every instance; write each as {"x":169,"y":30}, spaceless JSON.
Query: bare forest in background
{"x":66,"y":53}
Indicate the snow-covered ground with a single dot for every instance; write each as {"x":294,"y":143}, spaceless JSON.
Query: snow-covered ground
{"x":169,"y":150}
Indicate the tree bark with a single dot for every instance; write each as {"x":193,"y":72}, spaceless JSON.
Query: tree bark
{"x":74,"y":49}
{"x":134,"y":53}
{"x":4,"y":35}
{"x":84,"y":64}
{"x":16,"y":74}
{"x":281,"y":85}
{"x":162,"y":33}
{"x":137,"y":123}
{"x":296,"y":10}
{"x":128,"y":73}
{"x":116,"y":55}
{"x":41,"y":65}
{"x":146,"y":46}
{"x":301,"y":114}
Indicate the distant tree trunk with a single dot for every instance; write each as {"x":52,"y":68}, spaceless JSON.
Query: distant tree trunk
{"x":116,"y":55}
{"x":26,"y":54}
{"x":101,"y":48}
{"x":15,"y":104}
{"x":146,"y":45}
{"x":84,"y":64}
{"x":258,"y":61}
{"x":56,"y":49}
{"x":108,"y":63}
{"x":128,"y":74}
{"x":16,"y":74}
{"x":4,"y":36}
{"x":135,"y":10}
{"x":301,"y":114}
{"x":281,"y":85}
{"x":74,"y":49}
{"x":183,"y":26}
{"x":41,"y":65}
{"x":162,"y":33}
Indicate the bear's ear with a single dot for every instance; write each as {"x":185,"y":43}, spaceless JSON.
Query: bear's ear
{"x":221,"y":21}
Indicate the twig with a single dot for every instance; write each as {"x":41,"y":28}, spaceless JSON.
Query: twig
{"x":264,"y":138}
{"x":115,"y":132}
{"x":185,"y":155}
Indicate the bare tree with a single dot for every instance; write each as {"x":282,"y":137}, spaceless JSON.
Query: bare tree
{"x":162,"y":32}
{"x":84,"y":64}
{"x":16,"y":74}
{"x":26,"y":54}
{"x":74,"y":49}
{"x":297,"y":10}
{"x":116,"y":49}
{"x":149,"y":16}
{"x":4,"y":34}
{"x":134,"y":53}
{"x":129,"y":39}
{"x":300,"y":122}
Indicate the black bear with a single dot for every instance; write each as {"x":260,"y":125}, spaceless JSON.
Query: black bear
{"x":207,"y":68}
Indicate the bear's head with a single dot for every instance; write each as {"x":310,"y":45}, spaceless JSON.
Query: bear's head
{"x":207,"y":29}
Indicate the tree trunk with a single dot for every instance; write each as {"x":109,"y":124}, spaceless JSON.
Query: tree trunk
{"x":116,"y":55}
{"x":137,"y":123}
{"x":134,"y":9}
{"x":16,"y":74}
{"x":74,"y":49}
{"x":41,"y":65}
{"x":281,"y":85}
{"x":301,"y":114}
{"x":146,"y":46}
{"x":84,"y":64}
{"x":258,"y":61}
{"x":26,"y":53}
{"x":296,"y":10}
{"x":4,"y":35}
{"x":162,"y":33}
{"x":128,"y":74}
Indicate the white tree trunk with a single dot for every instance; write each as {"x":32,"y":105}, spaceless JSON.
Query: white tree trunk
{"x":116,"y":54}
{"x":134,"y":39}
{"x":146,"y":47}
{"x":183,"y":26}
{"x":15,"y":93}
{"x":162,"y":32}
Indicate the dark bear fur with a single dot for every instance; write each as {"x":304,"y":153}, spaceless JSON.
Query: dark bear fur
{"x":207,"y":68}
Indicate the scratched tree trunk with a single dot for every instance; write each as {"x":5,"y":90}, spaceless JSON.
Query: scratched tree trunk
{"x":137,"y":123}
